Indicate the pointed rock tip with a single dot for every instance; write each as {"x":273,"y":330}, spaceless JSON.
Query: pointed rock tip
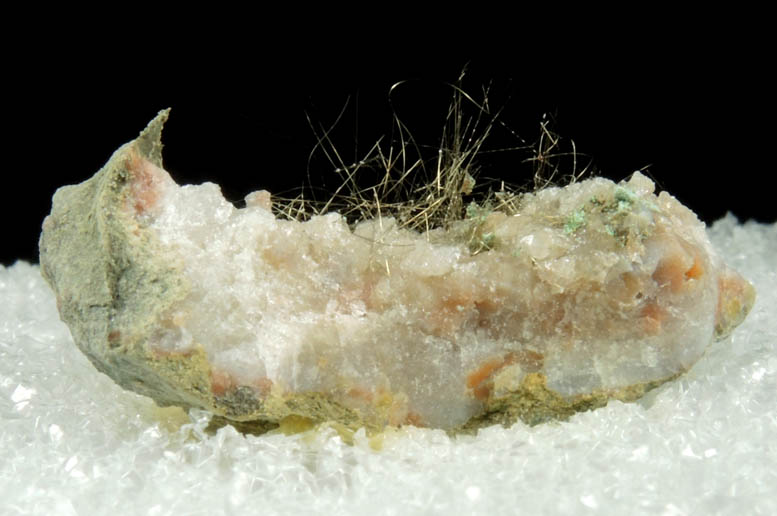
{"x":149,"y":142}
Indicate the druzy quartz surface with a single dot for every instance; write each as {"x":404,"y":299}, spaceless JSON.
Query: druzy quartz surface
{"x":588,"y":292}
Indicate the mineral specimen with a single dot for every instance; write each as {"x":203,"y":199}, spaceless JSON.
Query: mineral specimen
{"x":590,"y":292}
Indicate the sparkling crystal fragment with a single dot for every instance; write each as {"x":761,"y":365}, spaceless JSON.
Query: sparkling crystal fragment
{"x":590,"y":292}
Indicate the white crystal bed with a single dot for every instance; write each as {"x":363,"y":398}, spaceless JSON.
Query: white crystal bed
{"x":73,"y":442}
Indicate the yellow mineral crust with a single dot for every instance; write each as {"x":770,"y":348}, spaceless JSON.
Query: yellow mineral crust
{"x":586,"y":293}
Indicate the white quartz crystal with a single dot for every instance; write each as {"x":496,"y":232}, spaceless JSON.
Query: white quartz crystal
{"x":592,"y":291}
{"x":379,"y":311}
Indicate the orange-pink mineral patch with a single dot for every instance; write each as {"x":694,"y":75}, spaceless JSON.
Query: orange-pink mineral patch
{"x":145,"y":181}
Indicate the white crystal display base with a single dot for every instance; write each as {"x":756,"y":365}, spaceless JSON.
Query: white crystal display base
{"x":73,"y":442}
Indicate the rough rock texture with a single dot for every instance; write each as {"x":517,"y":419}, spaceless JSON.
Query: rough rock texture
{"x":590,"y":292}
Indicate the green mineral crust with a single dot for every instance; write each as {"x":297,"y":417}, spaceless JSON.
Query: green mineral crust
{"x":583,"y":294}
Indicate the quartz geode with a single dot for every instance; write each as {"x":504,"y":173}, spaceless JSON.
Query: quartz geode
{"x":590,"y":292}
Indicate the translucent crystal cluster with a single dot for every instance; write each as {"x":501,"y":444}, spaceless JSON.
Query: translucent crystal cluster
{"x":590,"y":292}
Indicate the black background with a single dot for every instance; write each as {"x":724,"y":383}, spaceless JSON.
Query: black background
{"x":696,"y":112}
